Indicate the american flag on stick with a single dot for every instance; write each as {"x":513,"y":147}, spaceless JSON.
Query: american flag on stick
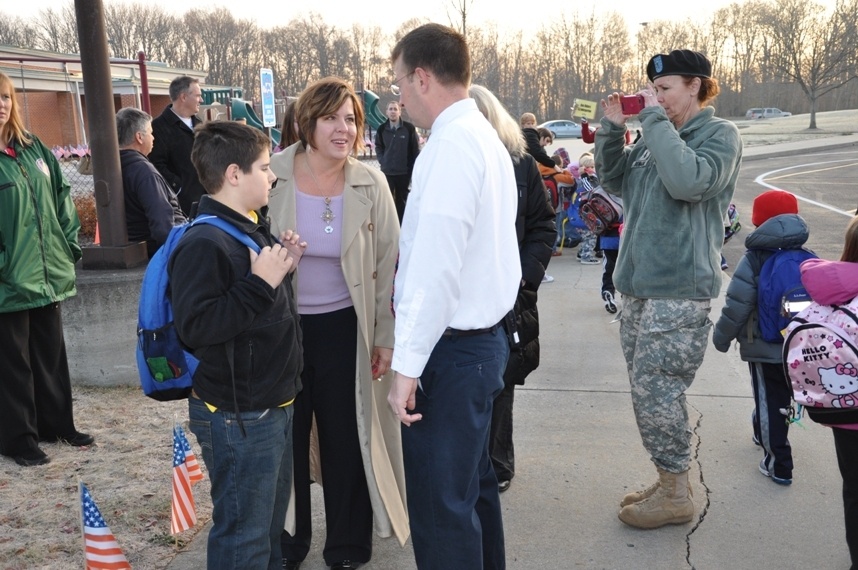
{"x":195,"y":474}
{"x":184,"y":514}
{"x":101,"y":551}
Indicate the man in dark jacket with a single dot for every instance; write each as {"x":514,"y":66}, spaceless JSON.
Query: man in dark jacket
{"x":397,"y":147}
{"x":174,"y":138}
{"x":151,"y":208}
{"x":532,"y":141}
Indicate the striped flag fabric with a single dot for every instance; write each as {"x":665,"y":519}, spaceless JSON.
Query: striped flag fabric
{"x":101,"y":551}
{"x":195,"y":474}
{"x":184,"y":513}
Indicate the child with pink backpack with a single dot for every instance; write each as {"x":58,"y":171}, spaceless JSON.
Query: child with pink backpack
{"x":821,"y":360}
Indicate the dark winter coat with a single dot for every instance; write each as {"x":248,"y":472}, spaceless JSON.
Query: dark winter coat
{"x":151,"y":207}
{"x":216,"y":299}
{"x":171,"y":155}
{"x":536,"y":231}
{"x":397,"y":149}
{"x":536,"y":150}
{"x":739,"y":316}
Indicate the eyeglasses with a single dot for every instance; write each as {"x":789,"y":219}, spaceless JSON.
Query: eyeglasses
{"x":394,"y":88}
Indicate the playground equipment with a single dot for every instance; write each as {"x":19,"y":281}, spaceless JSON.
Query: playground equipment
{"x":241,"y":109}
{"x":374,"y":117}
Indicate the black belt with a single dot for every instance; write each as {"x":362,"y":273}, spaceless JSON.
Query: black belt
{"x":470,"y":332}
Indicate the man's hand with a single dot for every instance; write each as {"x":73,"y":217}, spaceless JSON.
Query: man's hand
{"x":402,"y":398}
{"x":271,"y":264}
{"x":296,"y":248}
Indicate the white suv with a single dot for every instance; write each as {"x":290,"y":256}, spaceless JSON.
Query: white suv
{"x":765,"y":113}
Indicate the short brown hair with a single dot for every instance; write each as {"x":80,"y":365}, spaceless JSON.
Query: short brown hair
{"x":14,"y":127}
{"x":323,"y":98}
{"x":436,"y":48}
{"x":217,"y":144}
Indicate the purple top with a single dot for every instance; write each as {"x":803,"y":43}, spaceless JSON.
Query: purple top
{"x":321,"y":285}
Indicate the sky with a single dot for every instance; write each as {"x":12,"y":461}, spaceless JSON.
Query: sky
{"x":389,"y":14}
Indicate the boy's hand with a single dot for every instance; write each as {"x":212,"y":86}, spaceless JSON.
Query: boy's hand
{"x":271,"y":264}
{"x":296,"y":248}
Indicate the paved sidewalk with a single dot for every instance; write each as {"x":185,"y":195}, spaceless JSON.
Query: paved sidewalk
{"x":578,"y":452}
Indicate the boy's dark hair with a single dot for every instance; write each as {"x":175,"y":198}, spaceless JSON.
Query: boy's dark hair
{"x":438,"y":49}
{"x":543,"y":132}
{"x":217,"y":144}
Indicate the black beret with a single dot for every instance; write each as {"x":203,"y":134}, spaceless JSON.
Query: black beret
{"x":679,"y":62}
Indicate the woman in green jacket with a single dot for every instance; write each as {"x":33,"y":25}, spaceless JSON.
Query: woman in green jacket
{"x":676,"y":183}
{"x":38,"y":250}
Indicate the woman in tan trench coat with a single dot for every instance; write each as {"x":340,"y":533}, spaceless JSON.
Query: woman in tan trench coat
{"x":345,"y":212}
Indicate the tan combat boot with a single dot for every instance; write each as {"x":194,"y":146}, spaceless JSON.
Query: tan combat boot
{"x":638,"y":496}
{"x":670,"y":503}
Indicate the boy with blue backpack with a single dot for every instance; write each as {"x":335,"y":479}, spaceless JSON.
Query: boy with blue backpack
{"x":234,"y":311}
{"x":764,"y":293}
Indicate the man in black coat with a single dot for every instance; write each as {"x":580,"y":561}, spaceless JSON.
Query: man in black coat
{"x":151,"y":208}
{"x":174,"y":138}
{"x":397,"y":147}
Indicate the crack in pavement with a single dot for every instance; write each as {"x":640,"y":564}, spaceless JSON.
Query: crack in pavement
{"x":705,"y":509}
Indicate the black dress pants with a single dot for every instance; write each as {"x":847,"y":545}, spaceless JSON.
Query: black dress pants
{"x":35,"y":393}
{"x":399,"y":188}
{"x":846,"y":445}
{"x":328,"y":378}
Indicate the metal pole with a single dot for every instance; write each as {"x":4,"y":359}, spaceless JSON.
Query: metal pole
{"x":144,"y":82}
{"x":115,"y":252}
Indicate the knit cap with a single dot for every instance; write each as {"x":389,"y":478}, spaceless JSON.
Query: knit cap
{"x":773,"y":203}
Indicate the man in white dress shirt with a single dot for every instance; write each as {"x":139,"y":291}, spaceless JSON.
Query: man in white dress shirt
{"x":459,"y":273}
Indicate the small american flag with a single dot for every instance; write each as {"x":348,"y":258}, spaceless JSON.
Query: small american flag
{"x":184,"y":514}
{"x":101,"y":551}
{"x":195,"y":474}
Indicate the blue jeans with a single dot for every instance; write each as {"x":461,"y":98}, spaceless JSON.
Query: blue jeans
{"x":453,"y":501}
{"x":251,"y":478}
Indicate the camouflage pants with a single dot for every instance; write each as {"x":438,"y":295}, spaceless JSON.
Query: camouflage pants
{"x":663,"y":342}
{"x":587,"y":247}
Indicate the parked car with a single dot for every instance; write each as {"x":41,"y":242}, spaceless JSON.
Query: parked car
{"x":765,"y":113}
{"x":563,"y":129}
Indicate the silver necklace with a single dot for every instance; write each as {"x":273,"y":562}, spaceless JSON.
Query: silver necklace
{"x":328,"y":215}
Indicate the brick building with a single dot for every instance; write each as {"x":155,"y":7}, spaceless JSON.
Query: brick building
{"x":52,"y":99}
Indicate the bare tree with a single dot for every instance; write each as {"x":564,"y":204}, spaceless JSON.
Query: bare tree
{"x":459,"y":17}
{"x":57,"y":29}
{"x":16,"y":32}
{"x":817,"y":53}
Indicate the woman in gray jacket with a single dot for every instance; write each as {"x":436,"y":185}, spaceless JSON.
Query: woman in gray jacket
{"x":676,"y":182}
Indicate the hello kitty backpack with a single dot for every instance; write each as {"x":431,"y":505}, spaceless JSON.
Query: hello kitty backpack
{"x":820,"y":356}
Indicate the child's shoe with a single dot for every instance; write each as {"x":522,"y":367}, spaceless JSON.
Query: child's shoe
{"x":610,"y":304}
{"x":590,"y":260}
{"x":765,"y":471}
{"x":547,"y":278}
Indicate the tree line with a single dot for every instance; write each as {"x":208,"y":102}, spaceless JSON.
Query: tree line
{"x":792,"y":54}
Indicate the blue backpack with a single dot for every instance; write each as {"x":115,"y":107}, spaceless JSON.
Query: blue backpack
{"x":780,"y":294}
{"x":166,"y":369}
